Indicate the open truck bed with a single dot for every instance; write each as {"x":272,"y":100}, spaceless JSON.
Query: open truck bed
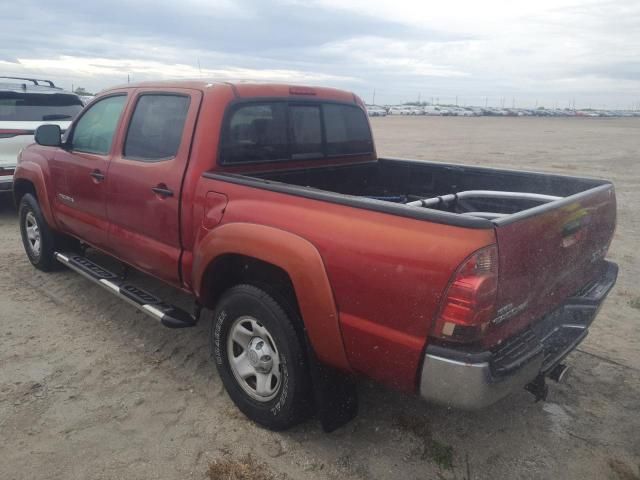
{"x":477,"y":192}
{"x":552,"y":231}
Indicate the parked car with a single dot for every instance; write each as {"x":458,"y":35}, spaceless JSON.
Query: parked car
{"x":312,"y":259}
{"x":375,"y":111}
{"x":402,"y":110}
{"x":461,"y":112}
{"x":26,"y":103}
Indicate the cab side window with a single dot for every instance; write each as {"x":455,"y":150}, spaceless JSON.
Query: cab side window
{"x":94,"y":131}
{"x":156,"y":127}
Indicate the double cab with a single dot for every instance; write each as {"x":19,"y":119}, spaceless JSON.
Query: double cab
{"x":313,"y":260}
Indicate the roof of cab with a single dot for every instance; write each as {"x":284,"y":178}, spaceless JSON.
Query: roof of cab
{"x":250,"y":89}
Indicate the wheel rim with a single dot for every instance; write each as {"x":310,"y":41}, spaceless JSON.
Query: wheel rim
{"x":33,"y":234}
{"x":254,"y":359}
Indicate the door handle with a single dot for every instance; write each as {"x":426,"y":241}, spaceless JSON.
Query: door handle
{"x":162,"y":190}
{"x":97,"y":174}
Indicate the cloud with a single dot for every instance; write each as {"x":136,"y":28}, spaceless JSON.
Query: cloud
{"x":548,"y":49}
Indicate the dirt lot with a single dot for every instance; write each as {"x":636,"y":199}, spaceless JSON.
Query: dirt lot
{"x":90,"y":388}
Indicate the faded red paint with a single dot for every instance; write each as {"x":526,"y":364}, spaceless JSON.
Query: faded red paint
{"x":368,"y":283}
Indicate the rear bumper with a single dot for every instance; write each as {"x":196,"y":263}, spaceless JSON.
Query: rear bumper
{"x":475,"y":380}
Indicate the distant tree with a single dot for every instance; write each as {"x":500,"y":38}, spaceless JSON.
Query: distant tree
{"x":81,"y":91}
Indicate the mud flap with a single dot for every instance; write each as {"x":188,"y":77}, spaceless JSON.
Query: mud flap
{"x":335,"y":394}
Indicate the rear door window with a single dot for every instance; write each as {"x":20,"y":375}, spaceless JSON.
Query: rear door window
{"x":156,"y":127}
{"x":94,"y":131}
{"x":38,"y":107}
{"x":347,"y":130}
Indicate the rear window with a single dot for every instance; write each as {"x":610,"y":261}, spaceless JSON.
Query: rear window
{"x":347,"y":130}
{"x":306,"y":131}
{"x":275,"y":131}
{"x":38,"y":107}
{"x":256,"y":133}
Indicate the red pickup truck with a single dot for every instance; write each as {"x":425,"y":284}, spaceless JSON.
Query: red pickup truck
{"x":314,"y":260}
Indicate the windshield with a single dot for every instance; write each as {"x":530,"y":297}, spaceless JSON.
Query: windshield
{"x":35,"y":107}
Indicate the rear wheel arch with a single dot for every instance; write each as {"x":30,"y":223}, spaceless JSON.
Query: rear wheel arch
{"x":280,"y":256}
{"x":231,"y":269}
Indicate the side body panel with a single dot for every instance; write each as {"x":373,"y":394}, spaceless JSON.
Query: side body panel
{"x":79,"y":199}
{"x":144,"y":229}
{"x":300,"y":260}
{"x":36,"y":172}
{"x":387,"y":273}
{"x":78,"y":186}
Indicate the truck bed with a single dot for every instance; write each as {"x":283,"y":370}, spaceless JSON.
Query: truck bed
{"x":552,"y":231}
{"x":469,"y":191}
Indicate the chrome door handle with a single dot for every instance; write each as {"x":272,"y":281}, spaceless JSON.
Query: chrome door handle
{"x":162,"y":190}
{"x":97,"y":174}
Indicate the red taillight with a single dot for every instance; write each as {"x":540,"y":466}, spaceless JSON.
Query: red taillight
{"x":469,"y":303}
{"x":10,"y":132}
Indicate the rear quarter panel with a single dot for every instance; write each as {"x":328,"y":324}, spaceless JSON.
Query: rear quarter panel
{"x":387,"y":273}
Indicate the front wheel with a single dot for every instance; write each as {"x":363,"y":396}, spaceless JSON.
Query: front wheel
{"x":260,"y":358}
{"x":37,"y":237}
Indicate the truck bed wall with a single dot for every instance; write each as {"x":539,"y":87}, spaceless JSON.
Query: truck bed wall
{"x":389,"y":177}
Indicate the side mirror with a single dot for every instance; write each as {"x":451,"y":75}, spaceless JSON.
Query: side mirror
{"x":48,"y":135}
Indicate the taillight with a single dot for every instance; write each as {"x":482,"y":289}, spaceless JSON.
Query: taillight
{"x":469,"y":303}
{"x":11,"y":132}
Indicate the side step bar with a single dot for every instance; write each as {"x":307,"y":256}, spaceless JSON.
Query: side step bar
{"x":169,"y":315}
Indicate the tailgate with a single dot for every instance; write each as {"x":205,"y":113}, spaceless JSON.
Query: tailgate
{"x":547,"y":254}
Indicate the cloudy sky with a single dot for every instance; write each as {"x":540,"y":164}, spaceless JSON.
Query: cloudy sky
{"x":500,"y":52}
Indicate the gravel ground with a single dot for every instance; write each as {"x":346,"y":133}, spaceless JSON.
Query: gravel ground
{"x":90,"y":388}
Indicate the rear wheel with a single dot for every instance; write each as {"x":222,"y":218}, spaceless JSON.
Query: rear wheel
{"x":37,"y":237}
{"x":260,"y":358}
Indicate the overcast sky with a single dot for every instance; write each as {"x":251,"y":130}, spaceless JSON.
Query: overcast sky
{"x":544,"y":52}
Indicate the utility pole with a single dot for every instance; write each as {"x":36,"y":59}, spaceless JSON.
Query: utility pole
{"x":128,"y":78}
{"x":456,"y":100}
{"x":486,"y":102}
{"x":373,"y":100}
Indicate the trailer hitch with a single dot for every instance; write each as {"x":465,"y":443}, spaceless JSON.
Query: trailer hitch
{"x":538,"y":388}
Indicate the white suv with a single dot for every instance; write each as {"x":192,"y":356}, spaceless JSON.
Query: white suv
{"x":25,"y":104}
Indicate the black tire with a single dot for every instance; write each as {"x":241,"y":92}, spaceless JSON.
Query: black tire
{"x":293,"y":401}
{"x":42,"y":258}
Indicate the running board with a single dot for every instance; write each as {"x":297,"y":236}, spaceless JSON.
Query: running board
{"x":169,"y":315}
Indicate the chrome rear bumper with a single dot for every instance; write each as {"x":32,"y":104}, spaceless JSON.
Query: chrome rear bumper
{"x":473,"y":380}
